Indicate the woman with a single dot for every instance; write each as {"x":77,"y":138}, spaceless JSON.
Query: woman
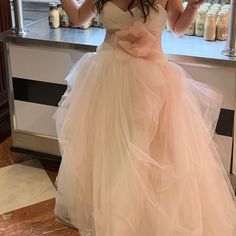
{"x":135,"y":132}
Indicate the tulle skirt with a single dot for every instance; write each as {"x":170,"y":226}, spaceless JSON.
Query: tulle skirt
{"x":137,"y":152}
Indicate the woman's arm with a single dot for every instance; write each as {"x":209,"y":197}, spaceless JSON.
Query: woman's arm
{"x":79,"y":14}
{"x":179,"y":19}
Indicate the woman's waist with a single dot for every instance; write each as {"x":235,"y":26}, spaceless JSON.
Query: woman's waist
{"x":143,"y":49}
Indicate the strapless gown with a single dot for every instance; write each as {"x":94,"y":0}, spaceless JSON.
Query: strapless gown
{"x":135,"y":134}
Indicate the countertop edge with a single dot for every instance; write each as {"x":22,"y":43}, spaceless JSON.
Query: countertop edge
{"x":184,"y":53}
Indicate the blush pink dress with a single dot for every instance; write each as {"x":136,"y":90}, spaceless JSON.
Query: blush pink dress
{"x":135,"y":134}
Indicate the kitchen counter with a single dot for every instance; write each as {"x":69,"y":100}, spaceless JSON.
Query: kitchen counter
{"x":188,"y":49}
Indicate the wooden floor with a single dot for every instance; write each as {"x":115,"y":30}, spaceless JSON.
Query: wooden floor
{"x":37,"y":219}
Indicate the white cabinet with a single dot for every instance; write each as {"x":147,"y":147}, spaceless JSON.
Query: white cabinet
{"x":223,"y":79}
{"x":37,"y":82}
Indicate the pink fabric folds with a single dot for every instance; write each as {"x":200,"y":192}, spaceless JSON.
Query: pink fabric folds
{"x":137,"y":41}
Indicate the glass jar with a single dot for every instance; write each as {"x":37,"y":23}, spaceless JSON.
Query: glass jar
{"x":96,"y":21}
{"x":200,"y":22}
{"x":53,"y":16}
{"x":222,"y":26}
{"x":210,"y":27}
{"x":64,"y":19}
{"x":191,"y":29}
{"x":59,"y":7}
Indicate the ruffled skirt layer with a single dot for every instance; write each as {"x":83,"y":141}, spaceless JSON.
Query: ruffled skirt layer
{"x":138,"y":158}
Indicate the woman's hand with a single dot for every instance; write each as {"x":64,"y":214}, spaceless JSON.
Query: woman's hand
{"x":180,"y":19}
{"x":79,"y":14}
{"x":195,"y":4}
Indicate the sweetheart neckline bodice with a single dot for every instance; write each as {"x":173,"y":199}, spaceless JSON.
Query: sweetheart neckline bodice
{"x":115,"y":18}
{"x":134,"y":8}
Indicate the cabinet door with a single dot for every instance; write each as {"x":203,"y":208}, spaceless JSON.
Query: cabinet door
{"x":37,"y":84}
{"x":222,"y":79}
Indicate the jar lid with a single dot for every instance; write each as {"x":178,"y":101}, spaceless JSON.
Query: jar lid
{"x":58,"y":3}
{"x":215,"y":7}
{"x":211,"y":14}
{"x":225,"y":9}
{"x":226,"y":6}
{"x":223,"y":13}
{"x":202,"y":11}
{"x":206,"y":4}
{"x":52,"y":4}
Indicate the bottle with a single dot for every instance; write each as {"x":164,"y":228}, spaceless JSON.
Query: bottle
{"x":59,"y":7}
{"x":200,"y":22}
{"x":206,"y":4}
{"x":53,"y":16}
{"x":96,"y":22}
{"x":222,"y":26}
{"x":191,"y":29}
{"x":64,"y":19}
{"x":210,"y":27}
{"x":226,"y":6}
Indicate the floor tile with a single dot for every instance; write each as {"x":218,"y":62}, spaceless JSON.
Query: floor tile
{"x":34,"y":220}
{"x":24,"y":184}
{"x":7,"y":157}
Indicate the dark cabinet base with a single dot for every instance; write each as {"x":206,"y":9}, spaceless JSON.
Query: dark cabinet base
{"x":5,"y":24}
{"x":5,"y":130}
